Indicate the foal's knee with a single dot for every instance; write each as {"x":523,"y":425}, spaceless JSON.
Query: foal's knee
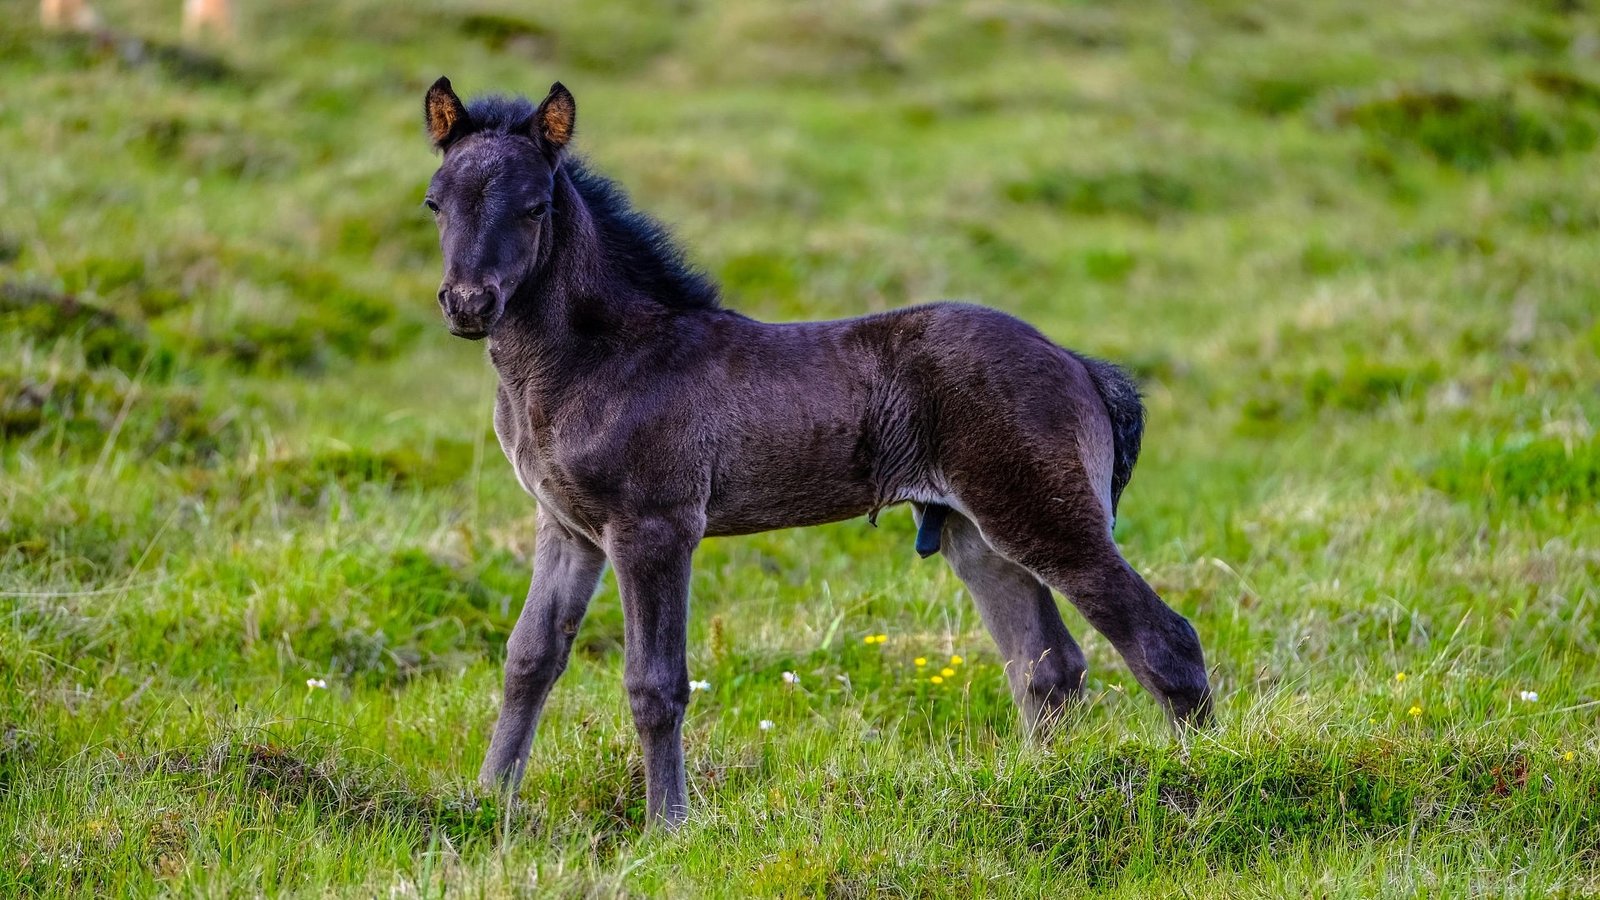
{"x":657,"y":701}
{"x":535,"y":662}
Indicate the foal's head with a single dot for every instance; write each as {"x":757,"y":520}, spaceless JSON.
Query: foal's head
{"x":491,"y":197}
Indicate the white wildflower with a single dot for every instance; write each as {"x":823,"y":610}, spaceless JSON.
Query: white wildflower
{"x":699,"y":685}
{"x":1530,"y":696}
{"x":791,"y":678}
{"x":315,"y":683}
{"x":766,"y":724}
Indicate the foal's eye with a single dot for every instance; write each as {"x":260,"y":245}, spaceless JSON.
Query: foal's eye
{"x":538,"y":210}
{"x":432,"y":206}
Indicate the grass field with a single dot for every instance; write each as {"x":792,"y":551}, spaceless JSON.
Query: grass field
{"x":1350,"y":249}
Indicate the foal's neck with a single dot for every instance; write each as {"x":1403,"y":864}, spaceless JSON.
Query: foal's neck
{"x":605,"y":289}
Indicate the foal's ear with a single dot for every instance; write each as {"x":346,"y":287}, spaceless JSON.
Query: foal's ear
{"x":445,"y":116}
{"x":556,"y":117}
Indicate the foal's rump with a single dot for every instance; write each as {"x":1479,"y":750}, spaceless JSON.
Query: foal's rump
{"x":1025,"y":427}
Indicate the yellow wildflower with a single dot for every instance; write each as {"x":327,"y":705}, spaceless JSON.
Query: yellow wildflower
{"x":1568,"y":756}
{"x":956,"y":660}
{"x":1399,"y":676}
{"x":1414,"y":711}
{"x":882,"y":638}
{"x":947,"y":671}
{"x":921,"y":661}
{"x":936,"y":680}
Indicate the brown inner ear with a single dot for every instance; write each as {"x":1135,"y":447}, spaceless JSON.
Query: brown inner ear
{"x":557,"y":122}
{"x":442,"y":114}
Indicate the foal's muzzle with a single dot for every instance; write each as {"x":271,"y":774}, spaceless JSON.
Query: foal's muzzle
{"x":470,"y":311}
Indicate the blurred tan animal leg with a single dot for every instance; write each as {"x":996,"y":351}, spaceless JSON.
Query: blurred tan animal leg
{"x":74,"y":14}
{"x":215,"y":16}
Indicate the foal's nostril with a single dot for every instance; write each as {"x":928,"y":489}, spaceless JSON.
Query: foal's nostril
{"x":474,"y":303}
{"x":470,"y":300}
{"x":470,"y":310}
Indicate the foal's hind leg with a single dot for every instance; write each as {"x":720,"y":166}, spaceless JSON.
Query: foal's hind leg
{"x":1072,"y":551}
{"x":1043,"y":663}
{"x":1159,"y":645}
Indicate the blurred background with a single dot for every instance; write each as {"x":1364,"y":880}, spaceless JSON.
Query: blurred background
{"x":1348,"y":248}
{"x":1156,"y":183}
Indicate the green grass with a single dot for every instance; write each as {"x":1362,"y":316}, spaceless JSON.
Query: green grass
{"x":1348,"y":248}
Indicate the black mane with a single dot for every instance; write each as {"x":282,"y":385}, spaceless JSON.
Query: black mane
{"x":639,"y":246}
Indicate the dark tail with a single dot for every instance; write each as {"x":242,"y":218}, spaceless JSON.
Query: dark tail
{"x":1121,"y":397}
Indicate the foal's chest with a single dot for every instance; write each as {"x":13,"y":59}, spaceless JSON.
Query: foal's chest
{"x":530,"y":441}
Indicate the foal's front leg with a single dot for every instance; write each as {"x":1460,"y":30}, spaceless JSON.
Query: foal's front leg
{"x":566,"y":571}
{"x":652,"y":558}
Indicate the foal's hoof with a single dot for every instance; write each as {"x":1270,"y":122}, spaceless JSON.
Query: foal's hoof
{"x":1060,"y":714}
{"x":669,"y":821}
{"x":500,"y":784}
{"x":1193,"y":713}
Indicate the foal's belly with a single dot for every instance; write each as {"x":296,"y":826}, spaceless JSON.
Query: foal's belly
{"x":731,"y":516}
{"x":788,"y":485}
{"x":806,"y":443}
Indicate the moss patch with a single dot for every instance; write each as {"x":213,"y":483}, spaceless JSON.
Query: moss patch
{"x":1466,"y":131}
{"x":107,"y":339}
{"x":1520,"y":471}
{"x":85,"y":409}
{"x":1140,"y":191}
